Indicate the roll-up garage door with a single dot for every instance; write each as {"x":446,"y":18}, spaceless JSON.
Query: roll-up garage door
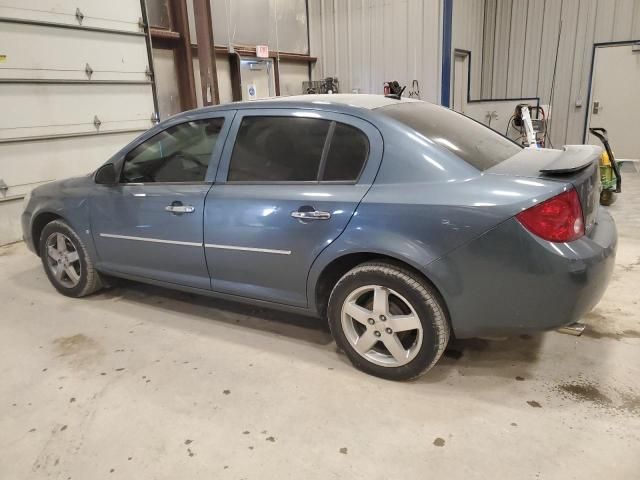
{"x":75,"y":86}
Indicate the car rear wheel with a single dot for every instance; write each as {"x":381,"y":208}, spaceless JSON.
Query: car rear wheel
{"x":388,"y":320}
{"x":66,"y":261}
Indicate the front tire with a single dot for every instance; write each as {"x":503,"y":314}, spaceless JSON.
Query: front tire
{"x":66,"y":261}
{"x":389,"y":321}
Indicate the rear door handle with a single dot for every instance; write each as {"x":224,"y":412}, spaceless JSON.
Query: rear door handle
{"x":180,"y":208}
{"x":311,"y":215}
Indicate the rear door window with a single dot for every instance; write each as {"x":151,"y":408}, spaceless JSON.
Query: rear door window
{"x":278,"y":149}
{"x":272,"y":149}
{"x":473,"y":142}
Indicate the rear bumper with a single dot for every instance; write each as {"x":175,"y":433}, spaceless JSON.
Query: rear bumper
{"x":508,"y":281}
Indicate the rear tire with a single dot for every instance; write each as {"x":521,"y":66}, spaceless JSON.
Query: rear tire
{"x":66,"y":261}
{"x":388,"y":320}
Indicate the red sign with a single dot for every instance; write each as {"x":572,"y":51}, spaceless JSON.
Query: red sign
{"x":262,"y":51}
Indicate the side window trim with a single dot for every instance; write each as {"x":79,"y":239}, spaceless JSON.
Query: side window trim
{"x":325,"y":151}
{"x":226,"y":116}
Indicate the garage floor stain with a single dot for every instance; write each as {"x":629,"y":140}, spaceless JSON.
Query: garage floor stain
{"x":586,"y":392}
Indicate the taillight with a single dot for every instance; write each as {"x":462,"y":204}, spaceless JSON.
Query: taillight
{"x":558,"y":219}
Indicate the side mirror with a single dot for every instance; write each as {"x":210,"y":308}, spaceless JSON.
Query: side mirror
{"x":106,"y":175}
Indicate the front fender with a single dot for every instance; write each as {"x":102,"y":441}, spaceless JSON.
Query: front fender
{"x":69,"y":200}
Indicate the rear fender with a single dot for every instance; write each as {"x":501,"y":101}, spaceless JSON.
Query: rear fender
{"x":420,"y":222}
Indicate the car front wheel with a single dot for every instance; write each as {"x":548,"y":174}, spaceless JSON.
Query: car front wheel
{"x":388,"y":320}
{"x":66,"y":261}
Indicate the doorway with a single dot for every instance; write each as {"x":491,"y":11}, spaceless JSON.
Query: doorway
{"x":460,"y":87}
{"x":614,"y":100}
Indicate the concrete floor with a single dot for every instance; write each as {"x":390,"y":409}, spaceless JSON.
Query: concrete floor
{"x":142,"y":382}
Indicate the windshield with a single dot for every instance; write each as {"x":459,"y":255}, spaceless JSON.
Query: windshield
{"x":470,"y":140}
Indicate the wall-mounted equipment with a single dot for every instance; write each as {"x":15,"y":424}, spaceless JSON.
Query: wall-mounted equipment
{"x":326,"y":85}
{"x":530,"y":122}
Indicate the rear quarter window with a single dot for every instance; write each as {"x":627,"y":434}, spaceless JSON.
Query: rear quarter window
{"x":347,"y":154}
{"x":471,"y":141}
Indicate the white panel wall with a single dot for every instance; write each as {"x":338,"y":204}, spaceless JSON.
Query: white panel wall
{"x":224,"y":78}
{"x":292,"y":74}
{"x":114,"y":14}
{"x":30,"y":110}
{"x":107,"y":54}
{"x":467,"y":33}
{"x":223,"y":70}
{"x":522,"y":36}
{"x":368,"y":42}
{"x":49,"y":103}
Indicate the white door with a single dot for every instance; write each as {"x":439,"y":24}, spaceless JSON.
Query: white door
{"x":460,"y":82}
{"x":615,"y":99}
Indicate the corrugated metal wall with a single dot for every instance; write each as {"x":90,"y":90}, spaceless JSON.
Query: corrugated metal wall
{"x":367,"y":42}
{"x":520,"y":40}
{"x":467,"y":34}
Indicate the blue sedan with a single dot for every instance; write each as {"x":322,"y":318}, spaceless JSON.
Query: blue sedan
{"x":401,"y":222}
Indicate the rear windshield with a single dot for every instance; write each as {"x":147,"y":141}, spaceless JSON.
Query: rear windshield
{"x":470,"y":140}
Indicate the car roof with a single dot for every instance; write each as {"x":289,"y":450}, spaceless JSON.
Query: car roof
{"x":357,"y":100}
{"x":343,"y":102}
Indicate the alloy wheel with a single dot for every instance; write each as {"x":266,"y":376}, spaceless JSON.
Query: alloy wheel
{"x":63,"y":260}
{"x":381,"y":325}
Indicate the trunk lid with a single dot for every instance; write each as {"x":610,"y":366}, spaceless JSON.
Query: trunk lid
{"x":577,"y":165}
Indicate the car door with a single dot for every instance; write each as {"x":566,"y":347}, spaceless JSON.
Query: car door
{"x":287,"y":186}
{"x":150,"y":223}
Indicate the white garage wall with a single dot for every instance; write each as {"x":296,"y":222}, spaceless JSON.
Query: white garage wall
{"x":249,"y":23}
{"x":292,"y":74}
{"x":522,"y":36}
{"x":114,"y":14}
{"x":280,"y":24}
{"x":49,"y":103}
{"x":368,"y":42}
{"x":224,"y":78}
{"x":467,"y":34}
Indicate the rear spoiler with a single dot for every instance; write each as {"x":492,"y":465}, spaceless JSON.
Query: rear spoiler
{"x":534,"y":162}
{"x":572,"y":159}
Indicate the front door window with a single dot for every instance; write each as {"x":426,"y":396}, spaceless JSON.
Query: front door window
{"x":178,"y":154}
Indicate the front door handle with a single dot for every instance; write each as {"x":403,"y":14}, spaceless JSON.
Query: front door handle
{"x":179,"y":208}
{"x":310,"y":215}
